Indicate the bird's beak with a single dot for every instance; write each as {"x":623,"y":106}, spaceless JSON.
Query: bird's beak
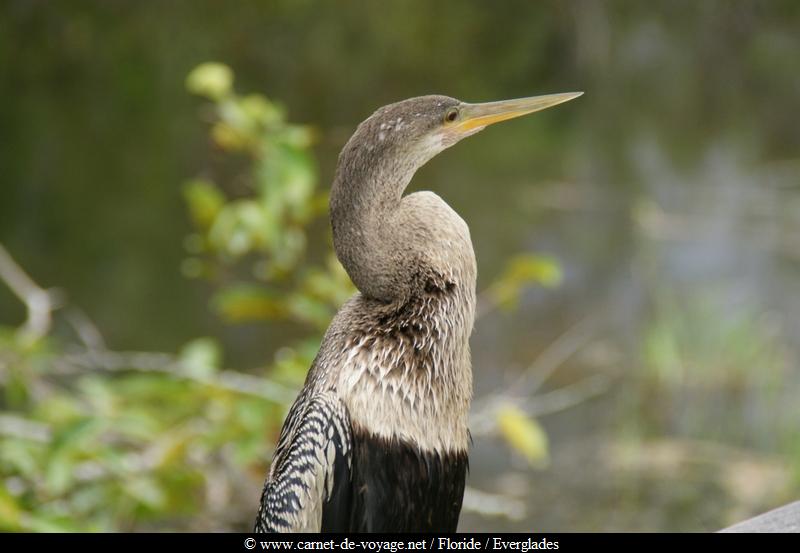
{"x":475,"y":117}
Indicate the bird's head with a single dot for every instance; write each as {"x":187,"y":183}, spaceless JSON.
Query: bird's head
{"x":375,"y":166}
{"x":413,"y":131}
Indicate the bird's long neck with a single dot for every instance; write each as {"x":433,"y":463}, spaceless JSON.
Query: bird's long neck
{"x":413,"y":253}
{"x":365,"y":198}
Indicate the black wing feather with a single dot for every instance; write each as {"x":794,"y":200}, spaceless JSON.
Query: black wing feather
{"x":308,"y":488}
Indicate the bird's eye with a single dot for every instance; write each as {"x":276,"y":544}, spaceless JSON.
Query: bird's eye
{"x":451,"y":115}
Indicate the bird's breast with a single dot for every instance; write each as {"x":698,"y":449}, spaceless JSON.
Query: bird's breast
{"x":405,"y":373}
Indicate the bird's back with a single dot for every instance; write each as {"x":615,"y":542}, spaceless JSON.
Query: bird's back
{"x":306,"y":488}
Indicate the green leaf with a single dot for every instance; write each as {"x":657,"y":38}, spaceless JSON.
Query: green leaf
{"x":75,"y":435}
{"x":291,"y":363}
{"x":211,"y":79}
{"x":10,"y":511}
{"x":69,"y":444}
{"x":240,"y":227}
{"x":21,"y":457}
{"x":58,"y":475}
{"x":308,"y":309}
{"x":261,"y":110}
{"x":246,"y":302}
{"x":41,"y":523}
{"x":201,"y":356}
{"x":228,"y":137}
{"x":147,"y":491}
{"x":299,"y":136}
{"x":522,"y":271}
{"x":205,"y":201}
{"x":524,"y":434}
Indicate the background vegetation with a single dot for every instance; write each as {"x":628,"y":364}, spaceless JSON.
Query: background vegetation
{"x":167,"y":272}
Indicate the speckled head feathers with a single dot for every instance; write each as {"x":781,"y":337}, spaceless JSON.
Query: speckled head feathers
{"x":412,"y":131}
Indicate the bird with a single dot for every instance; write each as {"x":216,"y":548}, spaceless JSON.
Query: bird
{"x":377,"y":439}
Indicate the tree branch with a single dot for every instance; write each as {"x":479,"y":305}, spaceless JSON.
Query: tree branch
{"x":115,"y":361}
{"x":38,"y":302}
{"x":12,"y":426}
{"x":493,"y":505}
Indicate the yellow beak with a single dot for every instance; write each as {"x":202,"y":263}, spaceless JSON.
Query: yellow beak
{"x":476,"y":116}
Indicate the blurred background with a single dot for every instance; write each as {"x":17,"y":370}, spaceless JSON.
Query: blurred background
{"x":166,"y":269}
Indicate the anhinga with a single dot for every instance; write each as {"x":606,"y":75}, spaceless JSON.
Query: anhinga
{"x":377,"y":440}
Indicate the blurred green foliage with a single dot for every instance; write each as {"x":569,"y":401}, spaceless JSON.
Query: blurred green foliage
{"x":254,"y":247}
{"x":520,"y":271}
{"x":715,"y":365}
{"x":103,"y":442}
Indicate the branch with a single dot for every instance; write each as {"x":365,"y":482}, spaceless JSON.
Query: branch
{"x":230,"y":380}
{"x":493,"y":505}
{"x":483,"y":421}
{"x":38,"y":302}
{"x":12,"y":426}
{"x":555,"y":355}
{"x":568,"y":396}
{"x":85,"y":329}
{"x":40,"y":305}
